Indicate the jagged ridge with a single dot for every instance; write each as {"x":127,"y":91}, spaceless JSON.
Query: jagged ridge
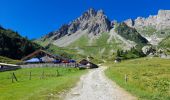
{"x":94,"y":22}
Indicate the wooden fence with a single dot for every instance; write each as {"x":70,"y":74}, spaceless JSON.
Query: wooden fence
{"x":32,"y":76}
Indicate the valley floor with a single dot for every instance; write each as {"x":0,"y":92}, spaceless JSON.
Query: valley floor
{"x":95,"y":86}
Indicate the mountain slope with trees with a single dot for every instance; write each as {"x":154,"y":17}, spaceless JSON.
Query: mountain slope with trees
{"x":14,"y":46}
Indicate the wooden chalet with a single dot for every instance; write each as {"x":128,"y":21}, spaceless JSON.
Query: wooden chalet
{"x":40,"y":56}
{"x":87,"y":64}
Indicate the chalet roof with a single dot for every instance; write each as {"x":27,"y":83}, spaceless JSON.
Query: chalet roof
{"x":84,"y":62}
{"x":4,"y":64}
{"x":36,"y":53}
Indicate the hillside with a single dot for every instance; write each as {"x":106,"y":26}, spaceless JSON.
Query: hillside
{"x":165,"y":43}
{"x":130,"y":34}
{"x":8,"y":60}
{"x":14,"y":46}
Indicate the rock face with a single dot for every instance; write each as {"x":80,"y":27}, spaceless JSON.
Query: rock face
{"x":148,"y":50}
{"x":163,"y":19}
{"x":160,"y":21}
{"x":95,"y":22}
{"x":154,"y":28}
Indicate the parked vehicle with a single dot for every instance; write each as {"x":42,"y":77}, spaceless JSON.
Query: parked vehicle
{"x":65,"y":61}
{"x":57,"y":61}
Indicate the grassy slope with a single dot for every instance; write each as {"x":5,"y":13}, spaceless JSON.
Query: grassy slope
{"x":130,"y":34}
{"x":63,"y":50}
{"x":82,"y":41}
{"x":148,"y":79}
{"x":98,"y":48}
{"x":38,"y":89}
{"x":165,"y":43}
{"x":147,"y":31}
{"x":59,"y":50}
{"x":8,"y":60}
{"x":41,"y":42}
{"x":83,"y":47}
{"x":150,"y":30}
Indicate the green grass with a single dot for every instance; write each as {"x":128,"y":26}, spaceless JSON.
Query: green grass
{"x":148,"y":78}
{"x":42,"y":42}
{"x":8,"y":60}
{"x":149,"y":30}
{"x":36,"y":88}
{"x":82,"y":41}
{"x":97,"y":48}
{"x":70,"y":53}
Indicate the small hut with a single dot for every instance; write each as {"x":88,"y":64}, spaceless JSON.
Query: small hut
{"x":87,"y":64}
{"x":84,"y":62}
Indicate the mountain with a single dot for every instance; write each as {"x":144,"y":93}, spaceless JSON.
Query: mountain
{"x":94,"y":22}
{"x":91,"y":22}
{"x":90,"y":25}
{"x":154,"y":28}
{"x":93,"y":34}
{"x":14,"y":46}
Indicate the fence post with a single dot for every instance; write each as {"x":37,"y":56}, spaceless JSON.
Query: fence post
{"x":14,"y":77}
{"x":30,"y":76}
{"x":42,"y":75}
{"x":126,"y":78}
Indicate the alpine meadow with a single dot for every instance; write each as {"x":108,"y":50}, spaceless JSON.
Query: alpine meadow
{"x":84,"y":50}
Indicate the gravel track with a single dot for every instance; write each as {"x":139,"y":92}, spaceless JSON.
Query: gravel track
{"x":95,"y":86}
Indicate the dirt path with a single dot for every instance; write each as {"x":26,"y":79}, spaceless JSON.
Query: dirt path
{"x":95,"y":86}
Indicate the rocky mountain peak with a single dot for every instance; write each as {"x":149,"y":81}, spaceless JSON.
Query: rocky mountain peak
{"x":163,"y":12}
{"x":94,"y":22}
{"x":91,"y":12}
{"x":160,"y":21}
{"x":100,"y":12}
{"x":154,"y":27}
{"x":163,"y":19}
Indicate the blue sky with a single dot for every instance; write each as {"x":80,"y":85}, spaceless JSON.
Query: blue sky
{"x":35,"y":18}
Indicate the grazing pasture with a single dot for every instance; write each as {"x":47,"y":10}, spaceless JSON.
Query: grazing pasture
{"x":146,"y":78}
{"x":37,"y":83}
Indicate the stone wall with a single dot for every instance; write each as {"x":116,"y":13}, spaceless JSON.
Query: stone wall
{"x":71,"y":65}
